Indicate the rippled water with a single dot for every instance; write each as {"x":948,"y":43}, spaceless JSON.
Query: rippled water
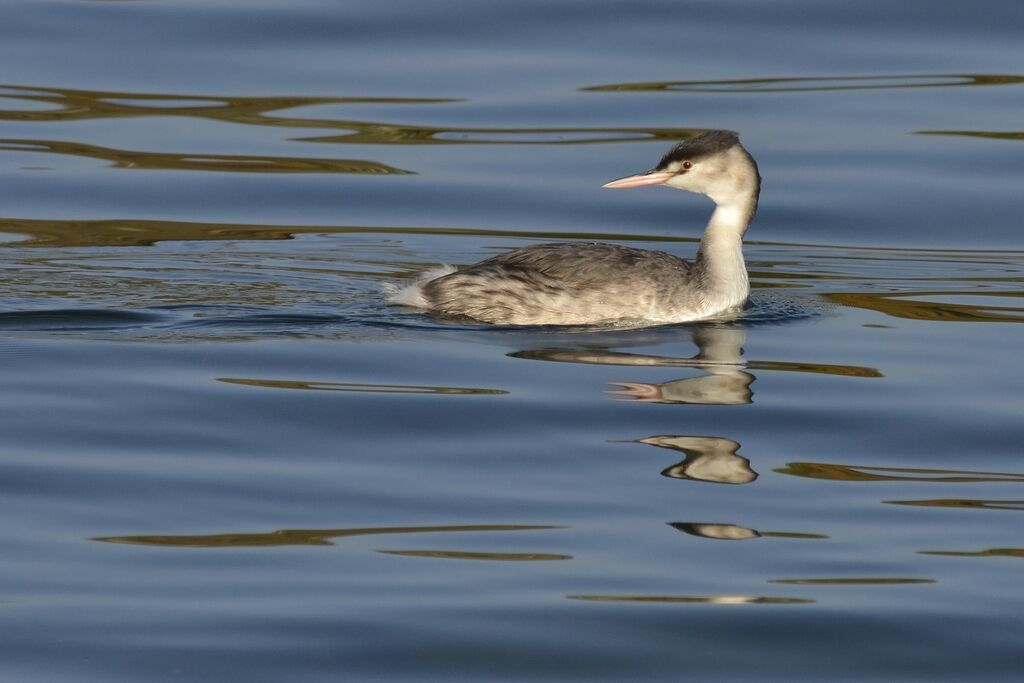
{"x":224,"y":457}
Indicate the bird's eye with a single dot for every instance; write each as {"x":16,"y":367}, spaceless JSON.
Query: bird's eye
{"x":687,"y":165}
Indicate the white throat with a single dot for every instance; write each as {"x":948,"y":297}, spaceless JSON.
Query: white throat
{"x":720,"y":268}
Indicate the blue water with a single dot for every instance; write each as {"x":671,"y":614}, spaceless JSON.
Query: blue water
{"x":225,"y":457}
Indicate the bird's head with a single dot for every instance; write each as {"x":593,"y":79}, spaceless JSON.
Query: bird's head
{"x":713,"y":163}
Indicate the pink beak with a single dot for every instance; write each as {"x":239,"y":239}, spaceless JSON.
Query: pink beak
{"x":653,"y":178}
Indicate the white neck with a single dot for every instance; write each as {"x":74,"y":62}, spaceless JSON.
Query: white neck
{"x":719,"y":266}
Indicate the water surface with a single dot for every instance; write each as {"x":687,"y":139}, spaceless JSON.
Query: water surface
{"x":225,"y":457}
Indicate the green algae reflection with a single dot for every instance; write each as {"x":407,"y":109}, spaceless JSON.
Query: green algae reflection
{"x":902,"y":305}
{"x":169,"y":161}
{"x":970,"y":503}
{"x":357,"y":387}
{"x":40,"y":104}
{"x":987,"y":134}
{"x":608,"y":357}
{"x":835,"y":472}
{"x":140,"y":233}
{"x":991,"y":552}
{"x":304,"y":536}
{"x":466,"y":555}
{"x":815,"y":83}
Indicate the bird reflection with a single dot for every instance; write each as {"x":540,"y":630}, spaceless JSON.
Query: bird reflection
{"x":720,"y":532}
{"x":708,"y":458}
{"x":720,"y":351}
{"x":698,"y":599}
{"x":735,"y":532}
{"x":726,"y":380}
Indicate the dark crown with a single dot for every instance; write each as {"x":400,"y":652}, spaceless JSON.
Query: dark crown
{"x":705,"y":144}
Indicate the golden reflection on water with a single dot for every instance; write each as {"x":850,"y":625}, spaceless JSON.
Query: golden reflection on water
{"x":464,"y":555}
{"x":833,"y":472}
{"x":358,"y":388}
{"x":816,"y":83}
{"x":304,"y":536}
{"x":972,"y":503}
{"x":237,"y":163}
{"x":62,"y":104}
{"x":696,"y":599}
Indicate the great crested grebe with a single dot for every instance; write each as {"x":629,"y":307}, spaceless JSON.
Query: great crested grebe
{"x":570,"y":283}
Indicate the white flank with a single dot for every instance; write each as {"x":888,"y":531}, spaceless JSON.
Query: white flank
{"x":412,"y":294}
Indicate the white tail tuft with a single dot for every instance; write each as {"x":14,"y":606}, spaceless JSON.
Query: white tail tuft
{"x":412,"y":294}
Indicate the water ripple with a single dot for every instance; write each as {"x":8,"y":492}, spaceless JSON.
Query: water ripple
{"x":286,"y":537}
{"x":36,"y":104}
{"x":907,"y":305}
{"x":815,"y":84}
{"x":990,"y":552}
{"x":237,"y":163}
{"x":854,"y":581}
{"x":77,"y":319}
{"x":357,"y":387}
{"x":968,"y":503}
{"x":465,"y":555}
{"x":987,"y":134}
{"x":696,"y":599}
{"x":835,"y":472}
{"x":734,"y":532}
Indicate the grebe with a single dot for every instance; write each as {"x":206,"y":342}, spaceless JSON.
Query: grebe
{"x":570,"y":283}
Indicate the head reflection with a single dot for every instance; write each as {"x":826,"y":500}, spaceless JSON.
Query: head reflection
{"x":708,"y":458}
{"x":718,"y":532}
{"x":720,"y":355}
